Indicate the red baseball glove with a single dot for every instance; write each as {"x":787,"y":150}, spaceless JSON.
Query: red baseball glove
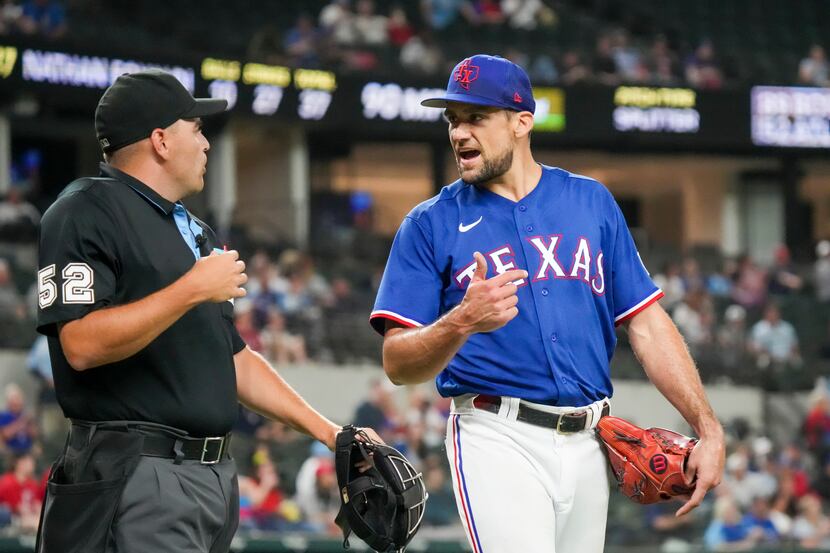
{"x":647,"y":463}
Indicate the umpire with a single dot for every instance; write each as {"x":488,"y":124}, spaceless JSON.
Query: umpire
{"x":135,"y":296}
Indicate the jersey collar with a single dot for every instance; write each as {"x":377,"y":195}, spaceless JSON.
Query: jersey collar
{"x":160,"y":203}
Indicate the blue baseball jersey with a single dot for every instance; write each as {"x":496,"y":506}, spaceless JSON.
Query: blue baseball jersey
{"x":584,"y":277}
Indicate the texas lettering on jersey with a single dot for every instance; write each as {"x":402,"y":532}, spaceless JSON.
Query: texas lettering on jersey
{"x":584,"y":264}
{"x":584,"y":278}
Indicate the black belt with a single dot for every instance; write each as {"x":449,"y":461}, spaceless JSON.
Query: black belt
{"x":159,"y":441}
{"x":566,"y":423}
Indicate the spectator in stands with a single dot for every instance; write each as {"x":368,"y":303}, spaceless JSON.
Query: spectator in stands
{"x":728,"y":531}
{"x":18,"y":218}
{"x":665,"y":525}
{"x":398,"y":28}
{"x":10,"y":14}
{"x":527,"y":15}
{"x":662,"y":63}
{"x":702,"y":68}
{"x":628,"y":60}
{"x":814,"y":69}
{"x":791,"y":465}
{"x":604,"y":67}
{"x":301,"y":43}
{"x":743,"y":484}
{"x":543,"y":69}
{"x":691,"y":275}
{"x":12,"y":307}
{"x":487,"y":12}
{"x":378,"y":407}
{"x":321,"y":501}
{"x":264,"y":287}
{"x":18,"y":427}
{"x":782,"y":277}
{"x":574,"y":69}
{"x":759,"y":521}
{"x":750,"y":288}
{"x":246,"y":433}
{"x":51,"y":422}
{"x":811,"y":527}
{"x":46,"y":18}
{"x":731,"y":338}
{"x":442,"y":510}
{"x":337,"y":20}
{"x":822,"y":483}
{"x":344,"y":318}
{"x":426,"y":425}
{"x":371,"y":27}
{"x":720,"y":284}
{"x":279,"y":345}
{"x":304,"y":299}
{"x":821,"y":271}
{"x":265,"y":496}
{"x":22,"y":494}
{"x":695,"y":321}
{"x":244,"y":319}
{"x":773,"y":341}
{"x":440,"y":14}
{"x":816,"y":426}
{"x":784,"y":502}
{"x":420,"y":55}
{"x":671,"y":283}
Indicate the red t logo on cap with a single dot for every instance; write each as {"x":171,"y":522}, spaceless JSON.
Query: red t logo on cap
{"x":517,"y":98}
{"x":466,"y":73}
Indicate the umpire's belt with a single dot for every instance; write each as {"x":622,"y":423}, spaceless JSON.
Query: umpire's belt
{"x":159,"y":440}
{"x":564,"y":423}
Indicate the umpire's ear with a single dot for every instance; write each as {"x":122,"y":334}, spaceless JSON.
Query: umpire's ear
{"x":158,"y":139}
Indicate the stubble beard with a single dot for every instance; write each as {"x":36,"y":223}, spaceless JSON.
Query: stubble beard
{"x":490,"y":169}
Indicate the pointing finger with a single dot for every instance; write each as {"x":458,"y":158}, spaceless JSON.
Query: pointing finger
{"x":509,"y":276}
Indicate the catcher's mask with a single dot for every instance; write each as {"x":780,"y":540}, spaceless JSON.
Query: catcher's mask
{"x":385,"y":504}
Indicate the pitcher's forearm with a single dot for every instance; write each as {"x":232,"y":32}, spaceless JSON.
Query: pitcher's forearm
{"x":415,"y":355}
{"x":664,"y":356}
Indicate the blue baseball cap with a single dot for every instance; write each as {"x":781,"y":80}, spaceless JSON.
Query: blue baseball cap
{"x":487,"y":81}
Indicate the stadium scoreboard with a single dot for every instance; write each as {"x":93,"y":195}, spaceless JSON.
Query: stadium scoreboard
{"x":759,"y":119}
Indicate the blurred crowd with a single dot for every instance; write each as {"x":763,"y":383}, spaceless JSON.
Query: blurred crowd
{"x":774,"y":496}
{"x":41,"y":18}
{"x":358,"y":35}
{"x":733,"y":319}
{"x":425,"y":38}
{"x":355,"y":36}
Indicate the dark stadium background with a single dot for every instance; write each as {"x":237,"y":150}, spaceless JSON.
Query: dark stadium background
{"x":708,"y":120}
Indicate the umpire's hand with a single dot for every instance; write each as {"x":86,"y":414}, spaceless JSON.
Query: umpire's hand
{"x":218,"y":277}
{"x":489,"y":304}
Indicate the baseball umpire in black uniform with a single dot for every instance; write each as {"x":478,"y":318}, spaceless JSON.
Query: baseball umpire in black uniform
{"x":135,"y":296}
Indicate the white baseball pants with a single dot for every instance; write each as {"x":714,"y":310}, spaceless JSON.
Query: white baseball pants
{"x":522,"y":488}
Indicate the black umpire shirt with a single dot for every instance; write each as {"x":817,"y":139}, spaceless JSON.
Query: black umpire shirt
{"x":112,"y":240}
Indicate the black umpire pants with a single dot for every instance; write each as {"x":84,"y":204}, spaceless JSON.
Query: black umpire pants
{"x":103,"y":496}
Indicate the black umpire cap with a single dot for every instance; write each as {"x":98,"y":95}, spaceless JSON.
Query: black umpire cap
{"x":137,"y":103}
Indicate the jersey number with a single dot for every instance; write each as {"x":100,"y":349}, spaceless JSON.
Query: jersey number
{"x":77,"y":285}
